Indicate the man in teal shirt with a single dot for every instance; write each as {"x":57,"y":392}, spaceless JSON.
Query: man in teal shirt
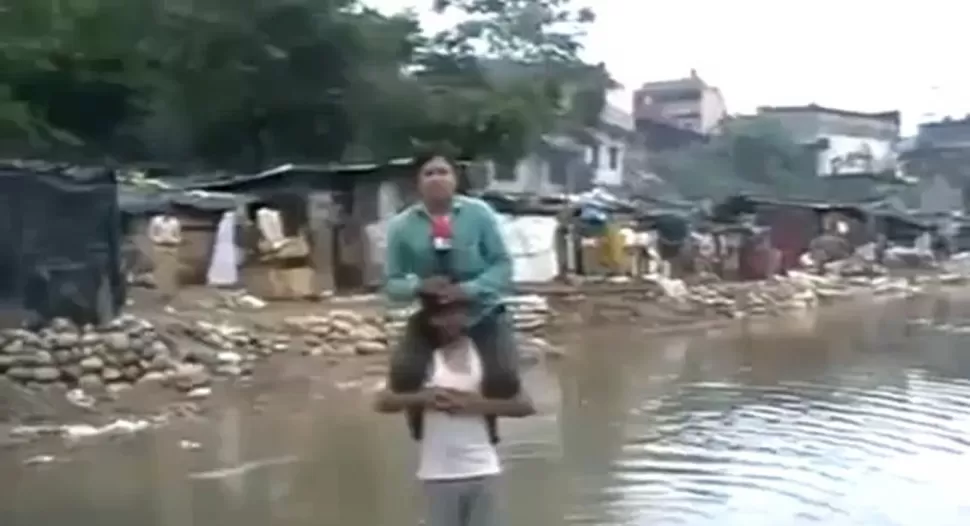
{"x":475,"y":267}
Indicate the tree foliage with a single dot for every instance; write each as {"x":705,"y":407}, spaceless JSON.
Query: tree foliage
{"x":750,"y":156}
{"x":245,"y":83}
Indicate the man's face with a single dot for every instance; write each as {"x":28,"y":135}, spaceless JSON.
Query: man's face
{"x":450,"y":323}
{"x":436,"y":179}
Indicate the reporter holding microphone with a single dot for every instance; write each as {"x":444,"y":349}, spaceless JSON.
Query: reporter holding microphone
{"x":446,"y":250}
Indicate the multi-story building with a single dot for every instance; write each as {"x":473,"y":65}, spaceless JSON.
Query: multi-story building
{"x":939,"y":157}
{"x":573,"y":163}
{"x":846,"y":142}
{"x":688,"y":103}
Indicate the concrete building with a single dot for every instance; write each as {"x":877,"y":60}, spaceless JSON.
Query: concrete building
{"x":608,"y":146}
{"x":847,"y":142}
{"x":939,"y":157}
{"x":688,"y":103}
{"x":562,"y":164}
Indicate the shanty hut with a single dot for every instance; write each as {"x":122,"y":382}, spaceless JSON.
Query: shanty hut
{"x":199,"y":213}
{"x":794,"y":224}
{"x":333,"y":215}
{"x":59,"y":243}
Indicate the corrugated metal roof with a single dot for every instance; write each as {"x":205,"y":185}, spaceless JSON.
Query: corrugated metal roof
{"x":141,"y":200}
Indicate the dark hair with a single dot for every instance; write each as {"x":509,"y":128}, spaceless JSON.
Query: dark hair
{"x":426,"y":153}
{"x":431,"y":306}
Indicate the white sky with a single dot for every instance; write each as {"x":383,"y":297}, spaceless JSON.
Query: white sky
{"x":865,"y":55}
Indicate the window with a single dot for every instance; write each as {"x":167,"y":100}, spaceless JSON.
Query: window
{"x":614,"y":158}
{"x":676,"y":95}
{"x":594,"y":156}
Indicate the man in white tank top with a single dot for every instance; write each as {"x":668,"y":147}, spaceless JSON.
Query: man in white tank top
{"x":458,"y":462}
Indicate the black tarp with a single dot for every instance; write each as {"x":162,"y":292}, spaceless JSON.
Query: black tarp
{"x":59,"y":244}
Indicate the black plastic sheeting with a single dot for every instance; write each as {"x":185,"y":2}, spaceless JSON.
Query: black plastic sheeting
{"x":59,"y":244}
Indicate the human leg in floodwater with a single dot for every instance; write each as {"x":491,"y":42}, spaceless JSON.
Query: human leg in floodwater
{"x":493,"y":336}
{"x":458,"y":459}
{"x":463,"y":502}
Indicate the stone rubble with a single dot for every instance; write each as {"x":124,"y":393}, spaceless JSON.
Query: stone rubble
{"x":338,"y":333}
{"x":663,"y":302}
{"x":187,"y":354}
{"x":530,"y":315}
{"x":797,"y":290}
{"x":124,"y":352}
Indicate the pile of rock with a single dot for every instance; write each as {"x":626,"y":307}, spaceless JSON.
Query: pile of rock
{"x":115,"y":356}
{"x":530,"y":315}
{"x":530,"y":312}
{"x":226,"y":349}
{"x":733,"y":299}
{"x":855,"y":267}
{"x":338,"y":333}
{"x":786,"y":293}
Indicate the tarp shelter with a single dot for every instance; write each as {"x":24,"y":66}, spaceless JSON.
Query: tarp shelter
{"x":59,"y":243}
{"x":199,"y":213}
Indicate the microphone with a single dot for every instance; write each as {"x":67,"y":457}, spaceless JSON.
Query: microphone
{"x":441,"y":242}
{"x":441,"y":233}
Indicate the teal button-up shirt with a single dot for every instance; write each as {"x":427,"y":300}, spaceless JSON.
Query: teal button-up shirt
{"x":479,"y":259}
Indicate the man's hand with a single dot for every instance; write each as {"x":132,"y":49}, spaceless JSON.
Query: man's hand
{"x":453,"y":401}
{"x":445,"y":400}
{"x":433,"y":286}
{"x":452,"y":292}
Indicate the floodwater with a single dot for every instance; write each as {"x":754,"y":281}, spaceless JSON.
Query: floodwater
{"x":855,"y":417}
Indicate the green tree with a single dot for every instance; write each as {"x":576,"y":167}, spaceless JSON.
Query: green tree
{"x":755,"y":156}
{"x":68,"y":69}
{"x":246,"y":83}
{"x":508,"y":73}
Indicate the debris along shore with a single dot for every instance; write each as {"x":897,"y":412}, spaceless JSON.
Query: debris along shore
{"x":661,"y":303}
{"x":185,"y":355}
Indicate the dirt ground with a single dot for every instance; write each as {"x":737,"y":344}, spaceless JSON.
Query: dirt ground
{"x":285,"y":376}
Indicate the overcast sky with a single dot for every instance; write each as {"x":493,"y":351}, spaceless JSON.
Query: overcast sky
{"x":864,"y":55}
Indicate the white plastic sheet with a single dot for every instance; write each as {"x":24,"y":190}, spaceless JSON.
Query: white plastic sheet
{"x":223,"y":269}
{"x":377,"y":240}
{"x":531,"y":240}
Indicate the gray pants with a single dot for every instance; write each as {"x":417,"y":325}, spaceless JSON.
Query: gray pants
{"x":465,"y":502}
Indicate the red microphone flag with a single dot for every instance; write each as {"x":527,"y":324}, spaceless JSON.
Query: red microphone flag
{"x":441,"y":232}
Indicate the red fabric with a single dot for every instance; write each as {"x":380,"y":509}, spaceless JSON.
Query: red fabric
{"x":441,"y":227}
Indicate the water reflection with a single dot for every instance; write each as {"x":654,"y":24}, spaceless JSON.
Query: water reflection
{"x":853,"y":417}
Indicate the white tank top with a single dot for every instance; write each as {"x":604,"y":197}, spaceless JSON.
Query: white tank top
{"x":456,"y":447}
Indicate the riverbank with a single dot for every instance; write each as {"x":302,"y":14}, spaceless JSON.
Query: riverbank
{"x":156,"y":365}
{"x":861,"y":398}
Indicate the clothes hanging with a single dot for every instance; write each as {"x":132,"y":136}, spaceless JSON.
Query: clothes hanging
{"x":224,"y":268}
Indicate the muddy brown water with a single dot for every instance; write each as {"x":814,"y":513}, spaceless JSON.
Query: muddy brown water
{"x":852,"y":417}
